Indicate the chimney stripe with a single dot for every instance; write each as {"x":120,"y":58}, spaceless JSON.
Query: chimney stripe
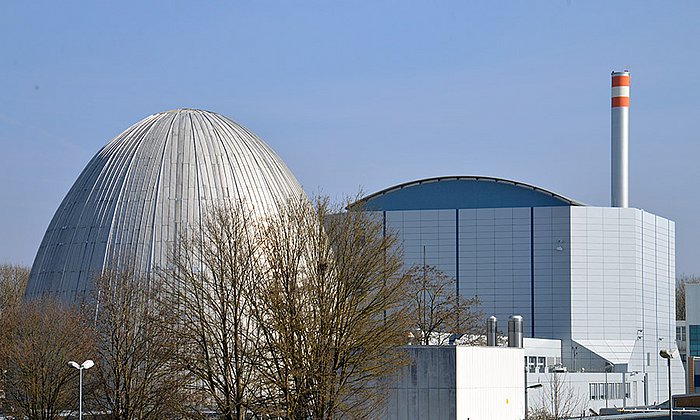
{"x":621,"y":91}
{"x":621,"y":80}
{"x":621,"y":101}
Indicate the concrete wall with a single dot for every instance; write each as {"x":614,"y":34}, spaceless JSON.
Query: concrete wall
{"x":459,"y":382}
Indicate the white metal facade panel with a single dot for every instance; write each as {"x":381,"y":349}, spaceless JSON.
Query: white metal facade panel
{"x":490,"y":383}
{"x":622,"y":291}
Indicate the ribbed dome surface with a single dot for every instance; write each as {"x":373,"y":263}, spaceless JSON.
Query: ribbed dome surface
{"x":141,"y":190}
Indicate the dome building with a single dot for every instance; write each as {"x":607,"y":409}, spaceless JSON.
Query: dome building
{"x":148,"y":185}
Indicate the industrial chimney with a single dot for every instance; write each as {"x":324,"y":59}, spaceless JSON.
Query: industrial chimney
{"x":620,"y":138}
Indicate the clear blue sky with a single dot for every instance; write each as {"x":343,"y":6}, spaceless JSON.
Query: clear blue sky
{"x":360,"y":94}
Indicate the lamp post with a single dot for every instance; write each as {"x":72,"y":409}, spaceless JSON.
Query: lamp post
{"x":538,"y":385}
{"x":86,"y":365}
{"x":624,"y":388}
{"x":668,"y":356}
{"x":526,"y":388}
{"x":609,"y":366}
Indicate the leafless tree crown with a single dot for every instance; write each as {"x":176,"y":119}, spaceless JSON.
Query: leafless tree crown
{"x":135,"y":376}
{"x":297,"y":315}
{"x":37,"y":339}
{"x":558,"y":400}
{"x":214,"y":278}
{"x":13,"y":280}
{"x":681,"y":281}
{"x":435,"y":310}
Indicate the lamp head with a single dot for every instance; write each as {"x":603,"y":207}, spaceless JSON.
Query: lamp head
{"x":74,"y":364}
{"x":88,"y":364}
{"x":665,"y":354}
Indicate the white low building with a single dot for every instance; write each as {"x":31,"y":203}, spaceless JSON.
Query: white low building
{"x":583,"y":392}
{"x":464,"y":382}
{"x":459,"y":382}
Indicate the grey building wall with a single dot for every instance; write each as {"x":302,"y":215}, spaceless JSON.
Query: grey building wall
{"x":599,"y":279}
{"x":515,"y":260}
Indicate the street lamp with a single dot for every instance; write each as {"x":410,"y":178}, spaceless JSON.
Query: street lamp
{"x":624,"y":388}
{"x":86,"y":365}
{"x":668,"y":356}
{"x":526,"y":388}
{"x":609,"y":366}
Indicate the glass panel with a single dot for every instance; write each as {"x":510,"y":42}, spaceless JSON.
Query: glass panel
{"x":694,"y":340}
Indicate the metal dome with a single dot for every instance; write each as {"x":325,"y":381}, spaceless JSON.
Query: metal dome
{"x":144,"y":187}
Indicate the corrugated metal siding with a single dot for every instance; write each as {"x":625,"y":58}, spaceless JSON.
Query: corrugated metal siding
{"x":147,"y":185}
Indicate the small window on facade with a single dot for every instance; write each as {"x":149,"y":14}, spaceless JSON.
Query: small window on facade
{"x":694,"y":340}
{"x":531,"y":364}
{"x":592,"y":391}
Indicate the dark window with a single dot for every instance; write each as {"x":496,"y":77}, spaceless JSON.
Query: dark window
{"x":694,"y":340}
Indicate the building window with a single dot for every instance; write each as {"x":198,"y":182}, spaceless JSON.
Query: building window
{"x":680,"y":333}
{"x":598,"y":391}
{"x":693,"y":340}
{"x":541,"y":364}
{"x":531,"y":364}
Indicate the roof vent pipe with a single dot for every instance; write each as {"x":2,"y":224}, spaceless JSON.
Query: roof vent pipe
{"x":491,"y":325}
{"x":515,"y":331}
{"x":619,"y":137}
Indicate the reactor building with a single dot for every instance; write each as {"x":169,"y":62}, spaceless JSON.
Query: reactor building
{"x":600,"y":279}
{"x":145,"y":188}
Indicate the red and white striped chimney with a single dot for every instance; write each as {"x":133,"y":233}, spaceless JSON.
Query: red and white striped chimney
{"x":620,"y":138}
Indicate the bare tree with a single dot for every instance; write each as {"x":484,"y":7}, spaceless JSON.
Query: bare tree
{"x":681,"y":282}
{"x":136,"y":376}
{"x":330,"y":311}
{"x":37,"y":340}
{"x":13,"y":280}
{"x":558,"y":399}
{"x":211,"y":286}
{"x":436,"y":312}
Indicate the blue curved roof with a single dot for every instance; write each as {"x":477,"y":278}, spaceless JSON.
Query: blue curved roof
{"x":462,"y":192}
